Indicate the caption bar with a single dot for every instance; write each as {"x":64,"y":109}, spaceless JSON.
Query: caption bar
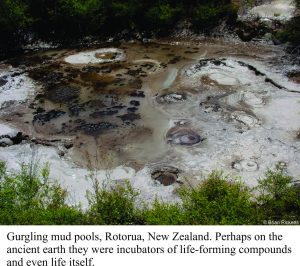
{"x":93,"y":246}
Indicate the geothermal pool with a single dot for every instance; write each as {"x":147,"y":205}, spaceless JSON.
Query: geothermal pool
{"x":161,"y":115}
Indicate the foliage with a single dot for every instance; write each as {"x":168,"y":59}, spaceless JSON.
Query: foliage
{"x":162,"y":15}
{"x":112,"y":206}
{"x":291,"y":31}
{"x":13,"y":15}
{"x":218,"y":200}
{"x":278,"y":198}
{"x":163,"y":214}
{"x":121,"y":14}
{"x":80,"y":16}
{"x":208,"y":15}
{"x":28,"y":197}
{"x":61,"y":19}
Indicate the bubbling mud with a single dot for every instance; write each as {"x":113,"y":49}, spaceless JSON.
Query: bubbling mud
{"x":181,"y":135}
{"x":172,"y":97}
{"x":245,"y":165}
{"x":245,"y":119}
{"x":104,"y":55}
{"x":197,"y":106}
{"x":166,"y":175}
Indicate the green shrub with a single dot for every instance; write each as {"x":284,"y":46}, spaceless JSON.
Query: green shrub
{"x":112,"y":205}
{"x":218,"y":200}
{"x":278,"y":198}
{"x":13,"y":15}
{"x":163,"y":214}
{"x":121,"y":14}
{"x":28,"y":197}
{"x":291,"y":30}
{"x":64,"y":215}
{"x":207,"y":16}
{"x":78,"y":17}
{"x":162,"y":15}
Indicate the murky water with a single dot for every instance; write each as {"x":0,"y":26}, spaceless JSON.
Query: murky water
{"x":195,"y":106}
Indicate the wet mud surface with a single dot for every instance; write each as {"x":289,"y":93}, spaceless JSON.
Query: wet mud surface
{"x":199,"y":106}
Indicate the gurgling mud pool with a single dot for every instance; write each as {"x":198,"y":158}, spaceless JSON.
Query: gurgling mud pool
{"x":160,"y":115}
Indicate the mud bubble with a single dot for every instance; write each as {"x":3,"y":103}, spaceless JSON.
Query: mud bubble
{"x":173,"y":97}
{"x":104,"y":55}
{"x":181,"y":135}
{"x":245,"y":165}
{"x":245,"y":119}
{"x":166,"y":175}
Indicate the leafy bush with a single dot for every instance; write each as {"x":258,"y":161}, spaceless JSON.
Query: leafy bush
{"x":112,"y":205}
{"x":69,"y":19}
{"x":291,"y":31}
{"x":278,"y":198}
{"x":207,"y":16}
{"x":28,"y":197}
{"x":218,"y":200}
{"x":163,"y":214}
{"x":13,"y":15}
{"x":121,"y":14}
{"x":162,"y":15}
{"x":77,"y":17}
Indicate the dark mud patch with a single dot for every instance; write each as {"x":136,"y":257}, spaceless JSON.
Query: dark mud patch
{"x":44,"y":117}
{"x":137,"y":94}
{"x":2,"y":82}
{"x":95,"y":104}
{"x":97,"y":79}
{"x":134,"y":103}
{"x":175,"y":60}
{"x":204,"y":62}
{"x":211,"y":105}
{"x":251,"y":68}
{"x":295,"y":77}
{"x":8,"y":104}
{"x":62,"y":94}
{"x":96,"y":129}
{"x":103,"y":113}
{"x":29,"y":60}
{"x":132,"y":109}
{"x":166,"y":175}
{"x":75,"y":110}
{"x":130,"y":117}
{"x":106,"y":69}
{"x":18,"y":138}
{"x":49,"y":75}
